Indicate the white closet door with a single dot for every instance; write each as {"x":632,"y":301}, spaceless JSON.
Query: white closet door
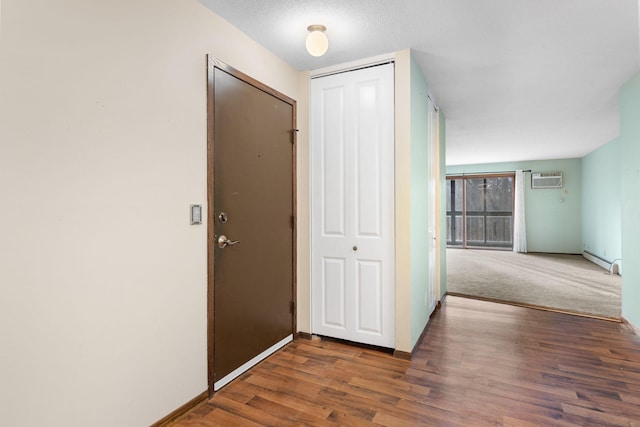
{"x":352,"y":212}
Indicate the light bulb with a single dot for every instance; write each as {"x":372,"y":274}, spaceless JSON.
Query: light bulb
{"x":317,"y":41}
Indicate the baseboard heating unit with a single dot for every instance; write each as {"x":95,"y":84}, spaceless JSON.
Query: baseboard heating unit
{"x":612,"y":266}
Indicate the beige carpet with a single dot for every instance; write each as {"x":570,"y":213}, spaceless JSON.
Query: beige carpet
{"x":563,"y":282}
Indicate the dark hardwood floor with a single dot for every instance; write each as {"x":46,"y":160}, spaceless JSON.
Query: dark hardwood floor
{"x":479,"y":364}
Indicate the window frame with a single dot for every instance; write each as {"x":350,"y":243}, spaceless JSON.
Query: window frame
{"x":453,"y":213}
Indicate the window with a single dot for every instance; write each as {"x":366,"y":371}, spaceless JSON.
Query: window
{"x":480,"y":211}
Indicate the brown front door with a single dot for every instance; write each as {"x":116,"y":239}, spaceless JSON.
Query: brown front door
{"x":253,"y":185}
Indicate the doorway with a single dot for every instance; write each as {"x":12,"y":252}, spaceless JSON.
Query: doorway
{"x":251,"y":222}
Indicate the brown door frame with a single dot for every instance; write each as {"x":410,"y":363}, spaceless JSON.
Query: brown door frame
{"x":212,"y":64}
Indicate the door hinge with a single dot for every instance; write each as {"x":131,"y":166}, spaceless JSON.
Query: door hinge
{"x":293,"y":222}
{"x":293,"y":307}
{"x":294,"y":135}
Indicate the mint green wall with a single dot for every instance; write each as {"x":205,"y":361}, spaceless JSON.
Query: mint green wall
{"x":419,"y":202}
{"x":443,"y":206}
{"x":601,"y":202}
{"x":553,"y":216}
{"x":630,"y":174}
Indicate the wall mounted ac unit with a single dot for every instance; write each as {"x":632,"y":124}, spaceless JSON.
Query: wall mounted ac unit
{"x":546,"y":180}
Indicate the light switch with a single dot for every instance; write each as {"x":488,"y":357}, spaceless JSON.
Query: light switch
{"x":196,"y":214}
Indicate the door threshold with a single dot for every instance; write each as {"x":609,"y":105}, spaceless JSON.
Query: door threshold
{"x":251,"y":363}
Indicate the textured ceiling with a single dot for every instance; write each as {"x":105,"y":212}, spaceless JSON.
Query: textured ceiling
{"x":516,"y":79}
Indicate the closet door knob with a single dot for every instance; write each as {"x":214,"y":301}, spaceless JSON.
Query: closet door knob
{"x":355,"y":248}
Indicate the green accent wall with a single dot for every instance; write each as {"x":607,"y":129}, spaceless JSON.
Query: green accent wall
{"x":553,"y":216}
{"x":601,"y":203}
{"x":419,"y":195}
{"x":419,"y":201}
{"x":443,"y":206}
{"x":630,"y":175}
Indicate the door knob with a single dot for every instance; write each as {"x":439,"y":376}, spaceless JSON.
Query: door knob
{"x":223,"y":242}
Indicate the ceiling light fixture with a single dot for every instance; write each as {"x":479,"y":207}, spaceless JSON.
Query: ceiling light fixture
{"x":317,"y":41}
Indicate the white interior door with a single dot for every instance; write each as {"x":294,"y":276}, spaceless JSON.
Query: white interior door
{"x":352,"y":212}
{"x":434,"y":204}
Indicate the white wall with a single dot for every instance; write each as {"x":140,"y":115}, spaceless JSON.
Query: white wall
{"x":102,"y":149}
{"x":403,"y":199}
{"x":303,"y":223}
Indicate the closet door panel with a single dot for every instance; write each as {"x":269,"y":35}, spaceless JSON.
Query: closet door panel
{"x":369,"y":297}
{"x":367,"y":163}
{"x":332,"y":173}
{"x":352,"y":212}
{"x":334,"y":293}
